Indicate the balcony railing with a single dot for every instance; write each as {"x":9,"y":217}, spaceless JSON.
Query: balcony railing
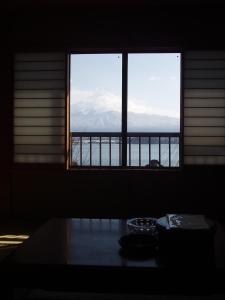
{"x":144,"y":149}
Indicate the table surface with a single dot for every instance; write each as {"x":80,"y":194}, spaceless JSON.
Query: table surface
{"x":85,"y":245}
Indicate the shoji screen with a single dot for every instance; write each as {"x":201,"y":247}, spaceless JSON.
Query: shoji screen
{"x":204,"y":107}
{"x":39,"y":108}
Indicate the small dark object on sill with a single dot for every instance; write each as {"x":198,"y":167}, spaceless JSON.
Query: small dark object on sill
{"x":154,"y":164}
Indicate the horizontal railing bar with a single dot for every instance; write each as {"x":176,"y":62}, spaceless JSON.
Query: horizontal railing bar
{"x":129,"y":134}
{"x":96,"y":134}
{"x":153,"y":134}
{"x":127,"y":167}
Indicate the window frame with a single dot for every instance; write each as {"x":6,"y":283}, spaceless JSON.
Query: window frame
{"x":124,"y":111}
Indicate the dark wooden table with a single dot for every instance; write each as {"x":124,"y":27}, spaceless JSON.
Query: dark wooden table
{"x":84,"y":255}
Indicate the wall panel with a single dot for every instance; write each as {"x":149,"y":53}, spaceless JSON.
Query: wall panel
{"x":39,"y":108}
{"x":204,"y":108}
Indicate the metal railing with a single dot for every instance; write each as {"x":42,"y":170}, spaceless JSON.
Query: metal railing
{"x":144,"y":149}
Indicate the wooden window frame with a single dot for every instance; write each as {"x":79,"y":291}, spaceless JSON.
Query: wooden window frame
{"x":124,"y":54}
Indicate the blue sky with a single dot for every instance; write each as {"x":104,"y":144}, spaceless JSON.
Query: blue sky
{"x":153,"y":83}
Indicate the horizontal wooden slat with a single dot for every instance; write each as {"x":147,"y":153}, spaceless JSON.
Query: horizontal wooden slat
{"x":214,"y":102}
{"x":38,"y":158}
{"x":204,"y":150}
{"x":39,"y":84}
{"x":20,"y":103}
{"x":39,"y":94}
{"x":204,"y":131}
{"x":40,"y":75}
{"x":216,"y":54}
{"x":39,"y":131}
{"x":39,"y":121}
{"x":39,"y":112}
{"x":204,"y":160}
{"x":204,"y":112}
{"x":48,"y":149}
{"x":34,"y":65}
{"x":204,"y":121}
{"x":39,"y":140}
{"x":204,"y":93}
{"x":203,"y":83}
{"x":44,"y":56}
{"x":201,"y":141}
{"x":204,"y":74}
{"x":204,"y":64}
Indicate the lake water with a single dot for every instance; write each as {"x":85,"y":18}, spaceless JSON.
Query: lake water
{"x":133,"y":160}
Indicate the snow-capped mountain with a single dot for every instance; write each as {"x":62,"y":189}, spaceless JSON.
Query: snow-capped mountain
{"x":100,"y":110}
{"x":92,"y":120}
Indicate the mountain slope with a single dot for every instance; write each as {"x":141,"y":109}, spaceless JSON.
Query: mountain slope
{"x":90,"y":120}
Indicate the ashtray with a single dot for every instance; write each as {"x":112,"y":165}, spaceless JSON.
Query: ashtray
{"x":142,"y":225}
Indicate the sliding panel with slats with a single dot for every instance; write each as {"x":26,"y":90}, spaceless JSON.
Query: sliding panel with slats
{"x":204,"y":107}
{"x":39,"y":108}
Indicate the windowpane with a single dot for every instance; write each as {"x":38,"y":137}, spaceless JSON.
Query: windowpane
{"x":154,"y":92}
{"x":154,"y":108}
{"x":96,"y":89}
{"x":96,"y":105}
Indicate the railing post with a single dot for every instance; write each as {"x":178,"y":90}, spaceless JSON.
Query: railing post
{"x":124,"y":109}
{"x":90,"y":151}
{"x":169,"y":151}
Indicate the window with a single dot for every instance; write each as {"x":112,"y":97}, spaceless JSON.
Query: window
{"x":128,"y":92}
{"x":125,"y":110}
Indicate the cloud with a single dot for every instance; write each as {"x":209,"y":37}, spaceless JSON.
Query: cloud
{"x":101,"y":100}
{"x":154,"y":78}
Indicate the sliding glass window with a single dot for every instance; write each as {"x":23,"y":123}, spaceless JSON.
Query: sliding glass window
{"x":125,"y":110}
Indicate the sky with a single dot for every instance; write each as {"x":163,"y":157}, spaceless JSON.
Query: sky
{"x":153,"y":83}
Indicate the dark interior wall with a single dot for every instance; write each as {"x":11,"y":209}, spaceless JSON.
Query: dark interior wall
{"x":54,"y":192}
{"x":115,"y":193}
{"x":5,"y":122}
